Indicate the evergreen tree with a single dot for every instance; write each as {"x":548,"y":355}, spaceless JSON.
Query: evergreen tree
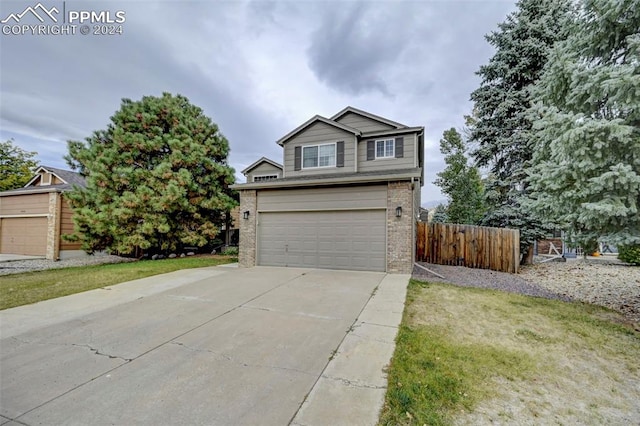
{"x":16,"y":166}
{"x":157,"y":177}
{"x":585,"y":170}
{"x":440,"y":214}
{"x":459,"y":181}
{"x":501,"y":128}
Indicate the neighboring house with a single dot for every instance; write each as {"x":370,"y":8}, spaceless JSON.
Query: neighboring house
{"x":33,"y":218}
{"x":348,"y":196}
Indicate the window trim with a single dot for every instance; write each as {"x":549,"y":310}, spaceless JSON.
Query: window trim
{"x":384,"y":157}
{"x":335,"y":156}
{"x":272,"y":176}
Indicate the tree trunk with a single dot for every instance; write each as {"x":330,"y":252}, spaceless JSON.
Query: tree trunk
{"x":527,"y":256}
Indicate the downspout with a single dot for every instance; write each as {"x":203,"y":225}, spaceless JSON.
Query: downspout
{"x":413,"y":222}
{"x":415,"y":150}
{"x":355,"y":162}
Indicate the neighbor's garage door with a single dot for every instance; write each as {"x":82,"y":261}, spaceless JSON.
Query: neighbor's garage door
{"x":354,"y":239}
{"x":24,"y":235}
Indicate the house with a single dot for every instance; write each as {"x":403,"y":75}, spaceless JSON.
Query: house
{"x":33,"y":218}
{"x":347,"y":197}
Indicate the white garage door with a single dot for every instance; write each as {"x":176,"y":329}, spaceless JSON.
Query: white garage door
{"x":353,"y":239}
{"x":24,"y":235}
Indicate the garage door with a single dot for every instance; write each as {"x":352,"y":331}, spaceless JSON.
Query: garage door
{"x":24,"y":235}
{"x":354,"y":239}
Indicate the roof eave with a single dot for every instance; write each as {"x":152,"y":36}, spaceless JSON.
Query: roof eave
{"x":393,"y":132}
{"x":313,"y":119}
{"x":39,"y":190}
{"x":275,"y":184}
{"x":368,"y":115}
{"x":257,"y":163}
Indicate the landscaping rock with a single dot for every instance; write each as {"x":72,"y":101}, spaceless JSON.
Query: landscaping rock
{"x":7,"y":268}
{"x":182,"y":255}
{"x":173,"y":256}
{"x":190,"y":253}
{"x":155,"y":257}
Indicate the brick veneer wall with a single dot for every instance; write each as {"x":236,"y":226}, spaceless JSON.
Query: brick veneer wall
{"x":247,"y":248}
{"x":53,"y":226}
{"x":400,"y":241}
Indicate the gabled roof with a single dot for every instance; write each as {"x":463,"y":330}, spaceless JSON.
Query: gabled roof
{"x":67,"y":176}
{"x":316,"y":119}
{"x":260,"y":161}
{"x":366,"y":114}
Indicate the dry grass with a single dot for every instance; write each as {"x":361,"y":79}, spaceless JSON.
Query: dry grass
{"x":32,"y":287}
{"x":470,"y":356}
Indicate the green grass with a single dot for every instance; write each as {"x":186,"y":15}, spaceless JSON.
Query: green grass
{"x":32,"y":287}
{"x":454,"y":343}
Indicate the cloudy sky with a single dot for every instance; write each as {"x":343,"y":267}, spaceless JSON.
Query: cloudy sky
{"x":257,"y":68}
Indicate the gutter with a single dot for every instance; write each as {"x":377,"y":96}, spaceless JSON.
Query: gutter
{"x":275,"y":184}
{"x":32,"y":191}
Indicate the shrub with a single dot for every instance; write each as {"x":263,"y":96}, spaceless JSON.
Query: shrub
{"x":230,"y":251}
{"x":629,"y":254}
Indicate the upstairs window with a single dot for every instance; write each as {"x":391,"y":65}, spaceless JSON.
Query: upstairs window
{"x":319,"y":156}
{"x":264,"y":178}
{"x":385,"y":148}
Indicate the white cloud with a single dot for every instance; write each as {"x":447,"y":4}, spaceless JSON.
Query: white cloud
{"x":258,"y":69}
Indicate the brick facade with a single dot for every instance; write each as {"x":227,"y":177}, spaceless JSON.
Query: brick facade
{"x":247,"y":248}
{"x":400,"y":230}
{"x":53,"y":226}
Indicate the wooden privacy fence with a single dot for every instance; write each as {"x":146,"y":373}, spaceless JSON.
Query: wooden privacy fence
{"x":466,"y":245}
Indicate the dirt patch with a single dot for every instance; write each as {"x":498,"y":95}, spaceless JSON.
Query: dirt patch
{"x":586,"y":368}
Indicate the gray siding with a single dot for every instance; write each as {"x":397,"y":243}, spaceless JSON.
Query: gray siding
{"x":407,"y":161}
{"x":319,"y":133}
{"x":361,"y":197}
{"x":363,"y":124}
{"x":264,"y":169}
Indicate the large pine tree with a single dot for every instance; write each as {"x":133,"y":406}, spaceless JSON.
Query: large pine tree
{"x":157,"y":178}
{"x":586,"y":165}
{"x":459,"y":181}
{"x":500,"y":132}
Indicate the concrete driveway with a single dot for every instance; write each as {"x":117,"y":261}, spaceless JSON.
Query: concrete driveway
{"x":208,"y":346}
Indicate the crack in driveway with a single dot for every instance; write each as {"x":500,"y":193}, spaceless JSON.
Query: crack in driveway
{"x":352,"y":383}
{"x":96,"y":351}
{"x":241,"y":363}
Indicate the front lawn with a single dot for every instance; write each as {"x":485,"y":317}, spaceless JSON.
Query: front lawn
{"x":472,"y":356}
{"x":32,"y":287}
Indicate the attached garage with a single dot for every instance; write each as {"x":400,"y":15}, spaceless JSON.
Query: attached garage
{"x":332,"y":227}
{"x":24,"y":235}
{"x":350,"y":239}
{"x":365,"y":226}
